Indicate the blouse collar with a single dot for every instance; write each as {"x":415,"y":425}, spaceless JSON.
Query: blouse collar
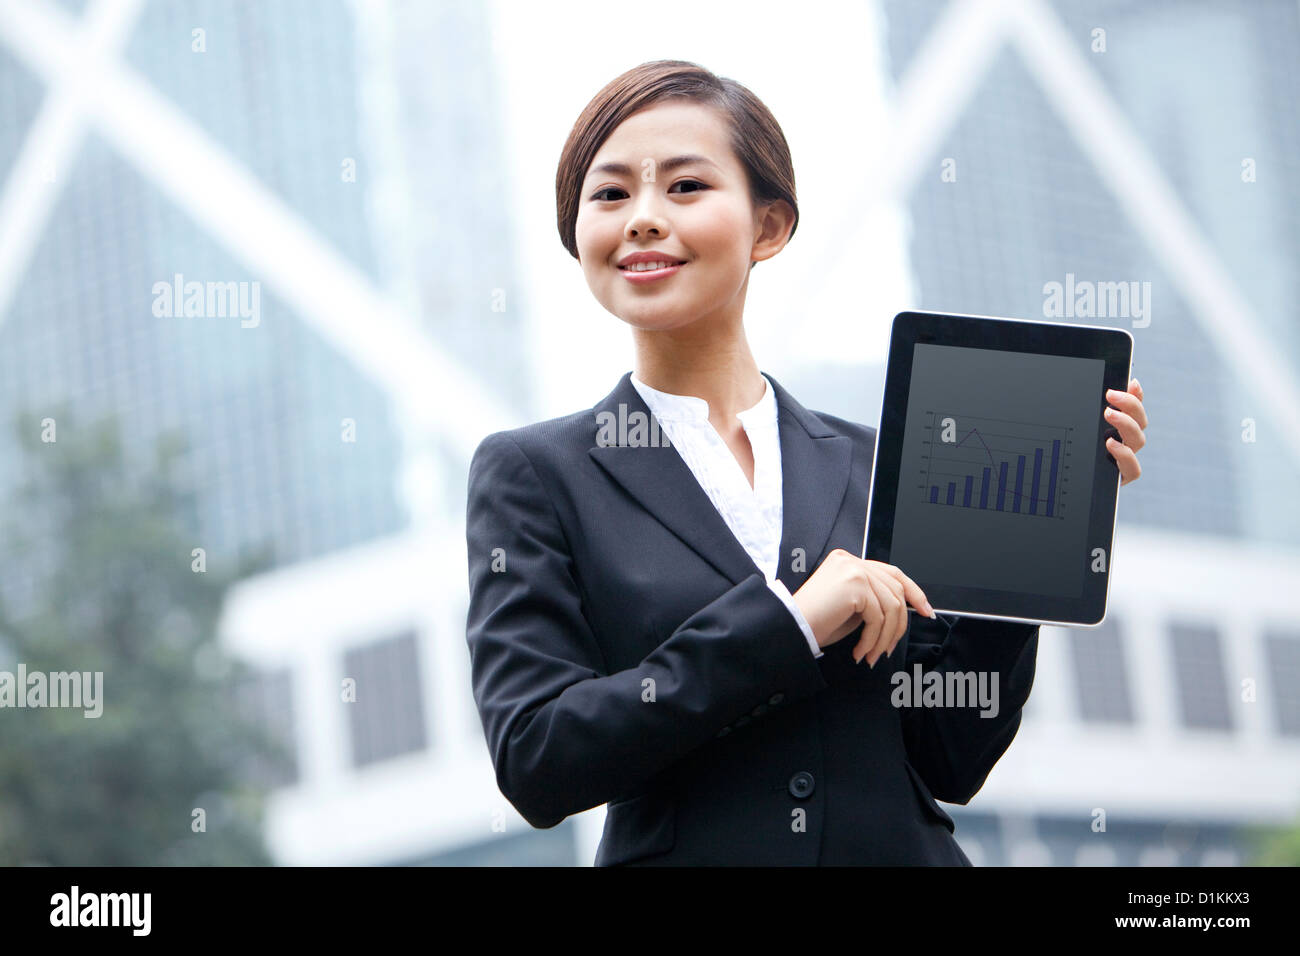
{"x":668,"y":407}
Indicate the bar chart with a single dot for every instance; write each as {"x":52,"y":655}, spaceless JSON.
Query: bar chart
{"x":996,"y":464}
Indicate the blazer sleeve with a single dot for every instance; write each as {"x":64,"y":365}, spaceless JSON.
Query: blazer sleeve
{"x":564,"y":734}
{"x":955,"y":748}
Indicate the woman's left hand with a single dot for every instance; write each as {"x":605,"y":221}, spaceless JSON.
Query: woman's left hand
{"x":1130,"y":418}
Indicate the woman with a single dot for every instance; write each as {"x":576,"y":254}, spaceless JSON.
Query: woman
{"x":666,"y":613}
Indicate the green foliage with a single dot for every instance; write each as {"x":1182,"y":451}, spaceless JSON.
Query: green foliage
{"x":107,"y":545}
{"x":1275,"y":846}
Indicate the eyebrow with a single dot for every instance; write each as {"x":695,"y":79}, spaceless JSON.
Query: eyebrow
{"x":668,"y":165}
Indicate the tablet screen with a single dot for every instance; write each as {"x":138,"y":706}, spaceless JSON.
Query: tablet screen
{"x":996,"y":473}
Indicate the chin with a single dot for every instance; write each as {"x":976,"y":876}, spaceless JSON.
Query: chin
{"x":655,"y":323}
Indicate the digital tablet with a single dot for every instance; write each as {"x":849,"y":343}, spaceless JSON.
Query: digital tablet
{"x":992,"y":487}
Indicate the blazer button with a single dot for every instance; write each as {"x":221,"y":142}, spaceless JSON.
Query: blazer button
{"x":776,"y":699}
{"x":759,"y":711}
{"x":724,"y":731}
{"x":802,"y":785}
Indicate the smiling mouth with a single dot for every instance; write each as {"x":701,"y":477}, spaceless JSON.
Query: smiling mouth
{"x":670,"y":265}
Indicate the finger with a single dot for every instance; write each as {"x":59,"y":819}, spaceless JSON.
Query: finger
{"x":845,"y":629}
{"x":871,"y":612}
{"x":849,"y":626}
{"x":1128,"y":429}
{"x":894,"y":613}
{"x":890,"y":592}
{"x":1125,"y":459}
{"x":871,"y":622}
{"x":902,"y":624}
{"x":1128,"y":403}
{"x":911,"y":590}
{"x":1136,"y":388}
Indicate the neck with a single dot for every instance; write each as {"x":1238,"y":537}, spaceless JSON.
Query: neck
{"x":713,"y":364}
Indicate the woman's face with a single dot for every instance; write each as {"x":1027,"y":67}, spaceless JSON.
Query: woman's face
{"x":698,"y":213}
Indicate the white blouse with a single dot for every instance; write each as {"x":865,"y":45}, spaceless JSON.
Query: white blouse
{"x":752,"y":514}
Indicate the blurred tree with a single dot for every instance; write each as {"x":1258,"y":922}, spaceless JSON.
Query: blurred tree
{"x":103,"y":548}
{"x":1275,"y":846}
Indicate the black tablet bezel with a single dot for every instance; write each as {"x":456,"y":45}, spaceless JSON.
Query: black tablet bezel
{"x":1113,"y":345}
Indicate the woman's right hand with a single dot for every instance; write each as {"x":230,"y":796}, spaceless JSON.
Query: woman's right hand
{"x":846,"y":591}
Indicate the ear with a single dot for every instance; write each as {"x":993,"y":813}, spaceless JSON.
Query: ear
{"x":775,"y":223}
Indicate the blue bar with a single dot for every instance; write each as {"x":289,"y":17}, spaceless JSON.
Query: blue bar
{"x":984,"y":488}
{"x":1002,"y":484}
{"x":1033,"y":493}
{"x":1020,"y":481}
{"x":952,"y":490}
{"x":1051,"y":481}
{"x":965,"y":500}
{"x":934,"y":494}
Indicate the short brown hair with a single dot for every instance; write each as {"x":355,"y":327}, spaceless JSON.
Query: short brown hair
{"x":756,"y":137}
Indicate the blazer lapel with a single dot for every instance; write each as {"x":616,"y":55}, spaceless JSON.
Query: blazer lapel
{"x":815,"y":466}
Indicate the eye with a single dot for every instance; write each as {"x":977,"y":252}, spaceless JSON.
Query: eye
{"x":614,"y":189}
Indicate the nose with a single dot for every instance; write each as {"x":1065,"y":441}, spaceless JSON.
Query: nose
{"x":642,"y":225}
{"x":645,"y":218}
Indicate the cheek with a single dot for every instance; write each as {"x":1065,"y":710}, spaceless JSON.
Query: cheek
{"x":593,"y":255}
{"x":722,"y":231}
{"x":592,"y":242}
{"x":582,"y":229}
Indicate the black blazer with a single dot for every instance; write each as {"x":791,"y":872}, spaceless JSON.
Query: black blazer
{"x":625,"y":649}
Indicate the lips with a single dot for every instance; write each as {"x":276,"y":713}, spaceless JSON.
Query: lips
{"x":671,"y":262}
{"x":653,"y":275}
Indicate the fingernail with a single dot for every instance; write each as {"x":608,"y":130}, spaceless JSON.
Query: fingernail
{"x":929,"y":609}
{"x":872,"y":664}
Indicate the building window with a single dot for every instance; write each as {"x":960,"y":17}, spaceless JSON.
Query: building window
{"x":1282,"y":651}
{"x":1100,"y":675}
{"x":387,"y":717}
{"x":1201,"y":680}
